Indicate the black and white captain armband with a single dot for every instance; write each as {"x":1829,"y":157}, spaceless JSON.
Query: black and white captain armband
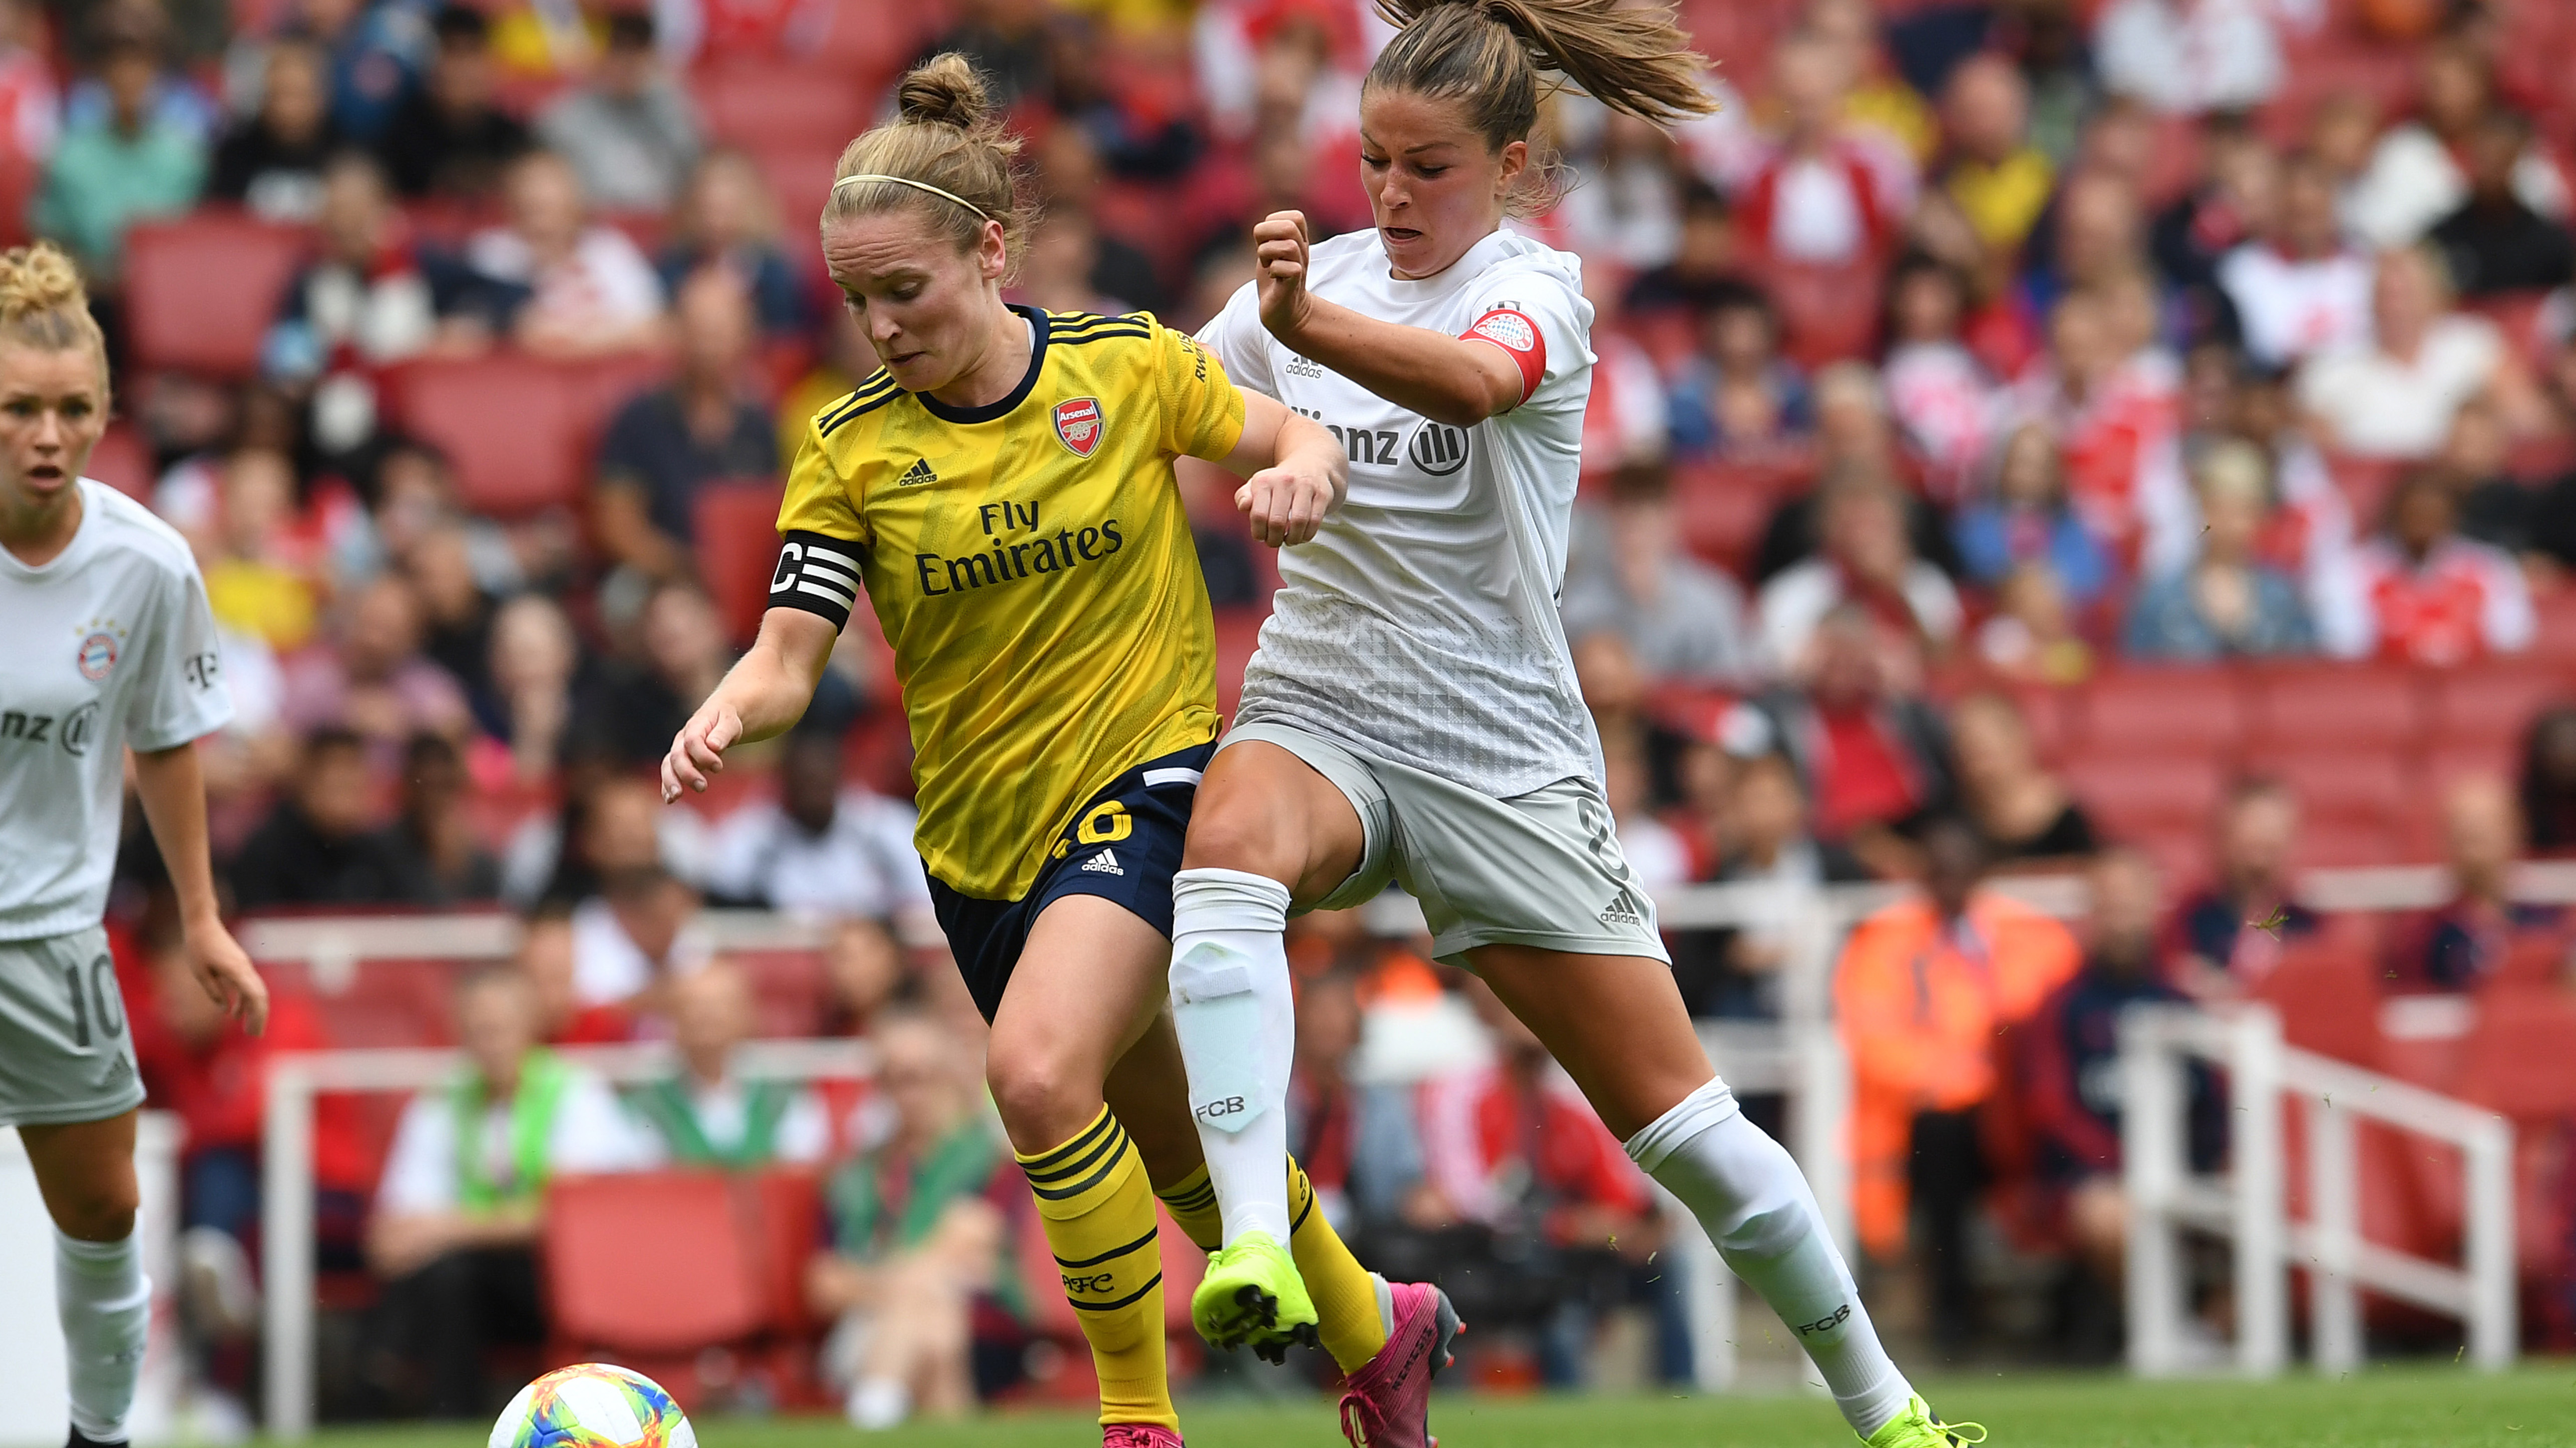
{"x":819,"y":574}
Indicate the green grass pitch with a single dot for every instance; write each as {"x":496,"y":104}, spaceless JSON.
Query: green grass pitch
{"x":2401,"y":1407}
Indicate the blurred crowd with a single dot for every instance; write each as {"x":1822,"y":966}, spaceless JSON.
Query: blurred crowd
{"x":1974,"y":354}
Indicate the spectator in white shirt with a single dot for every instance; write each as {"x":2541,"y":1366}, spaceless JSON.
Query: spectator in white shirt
{"x":2414,"y":178}
{"x":826,"y":847}
{"x":1866,"y":559}
{"x":590,"y":291}
{"x":1682,"y":618}
{"x":633,"y":938}
{"x":2395,"y":395}
{"x":703,"y":1115}
{"x":458,"y":1210}
{"x":2187,"y":57}
{"x":2300,"y":290}
{"x":1941,"y":394}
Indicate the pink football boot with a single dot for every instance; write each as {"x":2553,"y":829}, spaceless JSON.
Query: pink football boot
{"x":1387,"y":1404}
{"x":1138,"y":1435}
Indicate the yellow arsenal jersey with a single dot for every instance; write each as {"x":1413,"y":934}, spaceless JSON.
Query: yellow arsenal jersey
{"x":1031,"y":566}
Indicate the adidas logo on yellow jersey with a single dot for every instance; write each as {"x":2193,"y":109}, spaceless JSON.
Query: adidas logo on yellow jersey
{"x":917,"y":474}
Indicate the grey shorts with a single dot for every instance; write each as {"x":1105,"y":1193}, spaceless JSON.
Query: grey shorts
{"x":1541,"y":869}
{"x":65,"y":1054}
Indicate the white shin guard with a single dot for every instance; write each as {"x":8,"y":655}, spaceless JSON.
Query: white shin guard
{"x":1237,"y":1020}
{"x":1750,"y":1198}
{"x":105,"y":1303}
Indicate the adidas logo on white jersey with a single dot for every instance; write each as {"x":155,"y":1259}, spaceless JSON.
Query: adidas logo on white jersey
{"x":1622,"y":911}
{"x":1103,"y":863}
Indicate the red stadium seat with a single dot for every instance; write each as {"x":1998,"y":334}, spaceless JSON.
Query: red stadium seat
{"x":2196,"y":711}
{"x":513,"y":426}
{"x":2493,"y":703}
{"x":737,"y":547}
{"x":870,"y":40}
{"x":1827,"y":313}
{"x":123,"y":461}
{"x":2342,"y":786}
{"x":201,"y":290}
{"x":1721,"y":514}
{"x":2303,"y":708}
{"x":799,"y":173}
{"x":791,"y":991}
{"x":2149,"y":795}
{"x":753,"y":105}
{"x":600,"y":1230}
{"x":2556,"y":641}
{"x":2327,"y":994}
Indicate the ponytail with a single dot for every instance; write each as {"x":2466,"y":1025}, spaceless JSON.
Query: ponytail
{"x":1487,"y":54}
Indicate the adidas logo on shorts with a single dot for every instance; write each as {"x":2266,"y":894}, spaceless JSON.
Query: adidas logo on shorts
{"x":1622,"y":911}
{"x":1103,"y":863}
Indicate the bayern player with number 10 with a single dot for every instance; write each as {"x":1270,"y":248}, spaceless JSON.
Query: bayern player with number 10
{"x":106,"y":643}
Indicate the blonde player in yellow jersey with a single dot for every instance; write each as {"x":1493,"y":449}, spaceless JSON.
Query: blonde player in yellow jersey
{"x":1002,"y":491}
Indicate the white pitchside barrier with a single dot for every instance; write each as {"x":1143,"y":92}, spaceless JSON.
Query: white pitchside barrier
{"x":1800,"y":1057}
{"x":286,"y":1187}
{"x":2250,"y":1205}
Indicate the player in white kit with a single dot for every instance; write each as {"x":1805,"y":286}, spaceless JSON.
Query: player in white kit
{"x":106,"y":643}
{"x":1412,"y":713}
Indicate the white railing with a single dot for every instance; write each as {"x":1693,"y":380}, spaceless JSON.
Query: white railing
{"x":2249,"y":1205}
{"x":1799,"y":1056}
{"x":286,"y":1186}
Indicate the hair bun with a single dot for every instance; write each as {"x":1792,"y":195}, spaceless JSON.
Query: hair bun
{"x":39,"y":278}
{"x":944,"y":91}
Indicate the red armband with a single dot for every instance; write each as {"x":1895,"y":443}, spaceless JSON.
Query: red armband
{"x":1519,"y":337}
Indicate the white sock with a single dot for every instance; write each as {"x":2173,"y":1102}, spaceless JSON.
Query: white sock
{"x":1750,"y":1198}
{"x":1237,"y":1019}
{"x":106,"y":1307}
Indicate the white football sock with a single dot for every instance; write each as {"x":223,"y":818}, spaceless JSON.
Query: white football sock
{"x":1237,"y":1019}
{"x":106,"y":1306}
{"x":1748,"y":1194}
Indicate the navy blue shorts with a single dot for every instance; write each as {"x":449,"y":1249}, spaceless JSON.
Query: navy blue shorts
{"x":1124,"y":846}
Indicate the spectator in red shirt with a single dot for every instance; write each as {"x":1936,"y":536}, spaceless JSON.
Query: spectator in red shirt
{"x":2424,"y":594}
{"x":1828,"y":192}
{"x":1511,"y":1147}
{"x":199,"y":1064}
{"x":546,"y":954}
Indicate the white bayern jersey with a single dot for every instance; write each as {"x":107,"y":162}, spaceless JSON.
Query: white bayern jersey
{"x":1420,"y":624}
{"x":110,"y":644}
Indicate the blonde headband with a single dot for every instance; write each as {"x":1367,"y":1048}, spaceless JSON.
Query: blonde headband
{"x":917,"y":186}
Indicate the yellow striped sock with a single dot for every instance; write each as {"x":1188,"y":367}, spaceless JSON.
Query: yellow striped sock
{"x":1345,"y":1296}
{"x":1099,"y":1217}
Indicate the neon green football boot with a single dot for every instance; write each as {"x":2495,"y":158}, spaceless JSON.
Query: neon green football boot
{"x":1253,"y":1295}
{"x":1917,"y":1427}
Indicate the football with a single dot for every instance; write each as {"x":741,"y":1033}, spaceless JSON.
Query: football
{"x":593,"y":1405}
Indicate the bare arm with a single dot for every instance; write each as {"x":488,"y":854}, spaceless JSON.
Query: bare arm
{"x":765,"y":692}
{"x":173,"y":791}
{"x":1294,"y":471}
{"x":1457,"y":380}
{"x":624,"y":524}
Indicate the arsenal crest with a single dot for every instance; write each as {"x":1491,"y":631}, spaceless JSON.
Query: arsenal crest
{"x":1077,"y":425}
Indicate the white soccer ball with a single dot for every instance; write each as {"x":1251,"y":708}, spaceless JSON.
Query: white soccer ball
{"x":593,"y":1405}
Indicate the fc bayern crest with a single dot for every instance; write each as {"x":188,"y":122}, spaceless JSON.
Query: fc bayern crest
{"x":1078,"y":424}
{"x":97,"y":656}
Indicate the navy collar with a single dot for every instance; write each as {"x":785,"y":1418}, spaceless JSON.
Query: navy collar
{"x":992,"y":411}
